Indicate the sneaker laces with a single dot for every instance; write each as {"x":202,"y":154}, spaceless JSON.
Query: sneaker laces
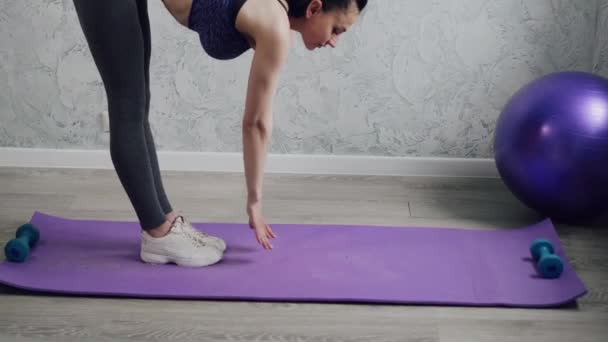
{"x":199,"y":235}
{"x":189,"y":232}
{"x":198,"y":232}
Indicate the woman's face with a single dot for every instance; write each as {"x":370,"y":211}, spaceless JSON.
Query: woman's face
{"x":321,"y":29}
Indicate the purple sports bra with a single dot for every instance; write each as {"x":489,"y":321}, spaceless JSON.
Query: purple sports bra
{"x":214,"y":21}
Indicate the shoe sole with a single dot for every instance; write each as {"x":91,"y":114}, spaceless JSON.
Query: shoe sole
{"x":152,"y":258}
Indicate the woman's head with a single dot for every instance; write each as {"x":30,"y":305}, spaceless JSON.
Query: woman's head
{"x":321,"y":22}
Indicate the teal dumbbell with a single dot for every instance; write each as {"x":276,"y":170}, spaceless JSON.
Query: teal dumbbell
{"x":548,"y":264}
{"x":18,"y":249}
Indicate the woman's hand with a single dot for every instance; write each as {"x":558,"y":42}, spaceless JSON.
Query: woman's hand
{"x":263,"y":232}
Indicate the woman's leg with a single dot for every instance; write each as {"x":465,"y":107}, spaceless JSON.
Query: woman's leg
{"x":142,"y":7}
{"x":113,"y":31}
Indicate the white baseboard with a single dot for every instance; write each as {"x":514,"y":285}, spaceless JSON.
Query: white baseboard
{"x":276,"y":163}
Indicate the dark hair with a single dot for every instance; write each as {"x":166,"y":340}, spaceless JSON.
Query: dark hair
{"x":297,"y":8}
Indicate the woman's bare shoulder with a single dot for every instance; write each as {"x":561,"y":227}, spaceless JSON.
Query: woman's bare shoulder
{"x":263,"y":19}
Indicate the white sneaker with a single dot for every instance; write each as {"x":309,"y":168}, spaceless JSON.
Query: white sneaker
{"x":180,"y":246}
{"x":206,"y":238}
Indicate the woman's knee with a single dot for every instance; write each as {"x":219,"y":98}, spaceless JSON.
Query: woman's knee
{"x":127,"y":110}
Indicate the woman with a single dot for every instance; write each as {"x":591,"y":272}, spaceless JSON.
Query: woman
{"x":118,"y":35}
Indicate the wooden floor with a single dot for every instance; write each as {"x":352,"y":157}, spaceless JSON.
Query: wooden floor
{"x":439,"y":202}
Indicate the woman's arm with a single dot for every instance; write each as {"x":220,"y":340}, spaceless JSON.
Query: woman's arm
{"x":257,"y":120}
{"x":272,"y":46}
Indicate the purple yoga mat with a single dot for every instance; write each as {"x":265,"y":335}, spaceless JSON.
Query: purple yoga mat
{"x":319,"y":263}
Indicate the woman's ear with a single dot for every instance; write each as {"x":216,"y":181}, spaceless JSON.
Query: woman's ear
{"x":314,"y":7}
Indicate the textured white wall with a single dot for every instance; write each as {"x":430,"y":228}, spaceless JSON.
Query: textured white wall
{"x":415,"y":78}
{"x":600,"y":62}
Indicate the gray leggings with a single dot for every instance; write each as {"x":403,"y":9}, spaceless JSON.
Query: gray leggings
{"x":118,"y":35}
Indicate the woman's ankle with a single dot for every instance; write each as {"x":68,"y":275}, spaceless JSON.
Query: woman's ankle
{"x":161,"y":230}
{"x":171,"y":216}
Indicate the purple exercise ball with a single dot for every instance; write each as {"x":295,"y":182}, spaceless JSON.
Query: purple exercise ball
{"x":551,"y":146}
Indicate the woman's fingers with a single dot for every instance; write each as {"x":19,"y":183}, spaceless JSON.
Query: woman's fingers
{"x":269,"y":232}
{"x":263,"y":240}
